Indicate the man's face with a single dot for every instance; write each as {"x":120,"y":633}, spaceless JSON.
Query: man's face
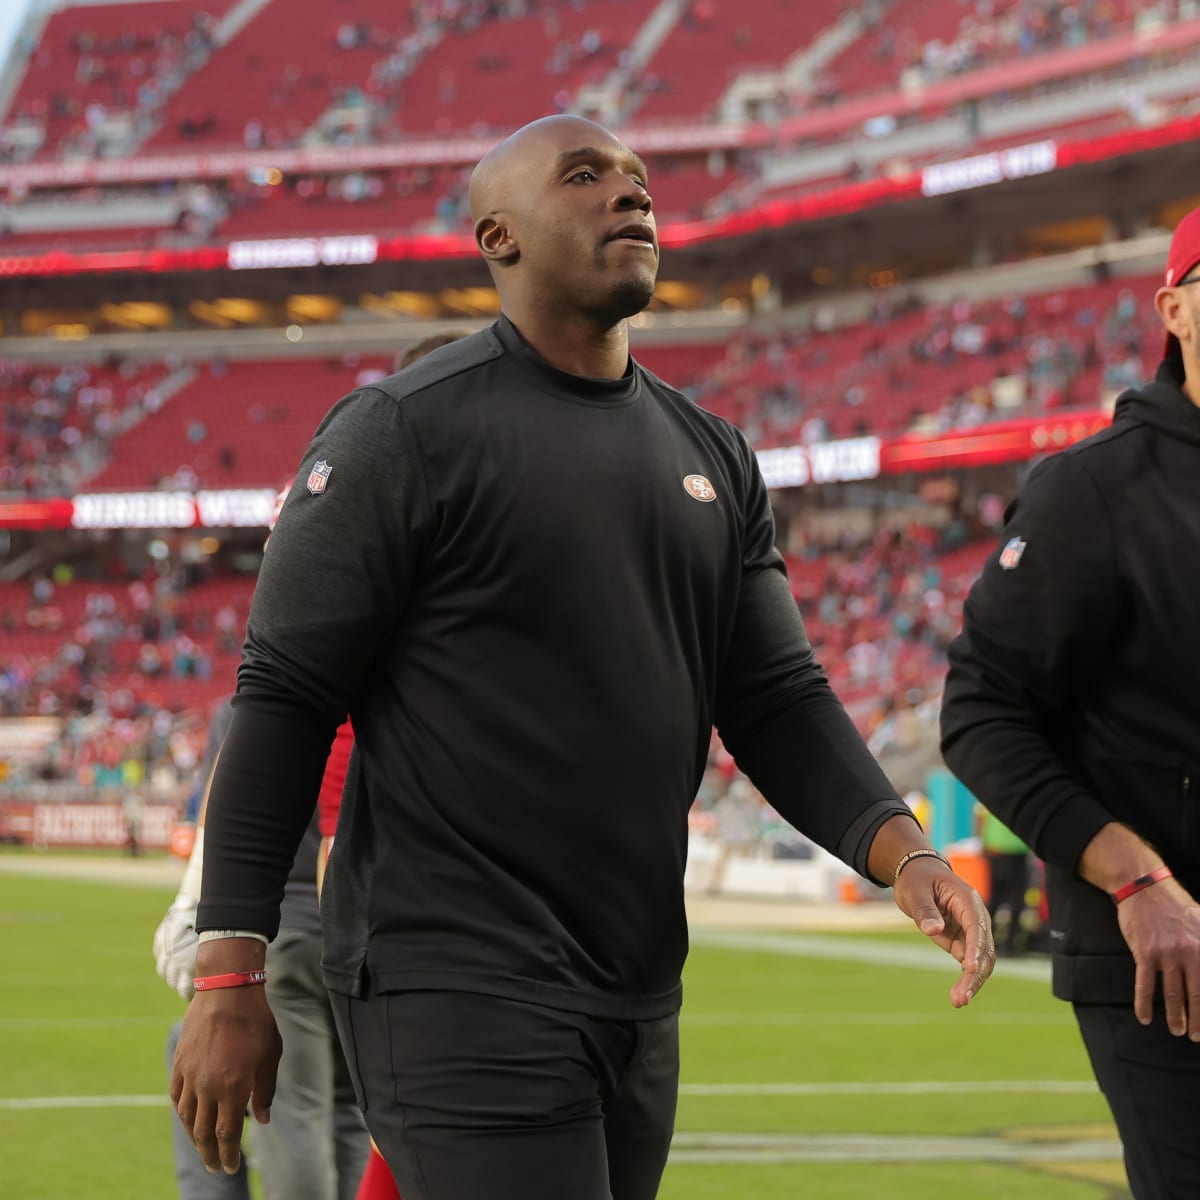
{"x":585,"y":229}
{"x":1189,"y":292}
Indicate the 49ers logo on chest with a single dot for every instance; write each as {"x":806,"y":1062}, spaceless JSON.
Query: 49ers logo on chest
{"x":699,"y":488}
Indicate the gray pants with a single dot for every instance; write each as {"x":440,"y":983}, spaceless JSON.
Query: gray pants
{"x":316,"y":1145}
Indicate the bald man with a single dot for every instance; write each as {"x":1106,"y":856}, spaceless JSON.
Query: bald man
{"x":535,"y":576}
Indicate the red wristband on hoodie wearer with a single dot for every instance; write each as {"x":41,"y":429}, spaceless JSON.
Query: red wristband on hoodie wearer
{"x":1141,"y":883}
{"x":209,"y":983}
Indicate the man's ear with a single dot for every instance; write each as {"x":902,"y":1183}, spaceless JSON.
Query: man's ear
{"x":495,"y":240}
{"x":1171,"y":312}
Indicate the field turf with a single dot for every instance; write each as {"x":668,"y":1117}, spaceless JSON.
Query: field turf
{"x":828,"y":1066}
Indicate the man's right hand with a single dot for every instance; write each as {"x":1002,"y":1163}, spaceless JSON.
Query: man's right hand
{"x":1162,"y":927}
{"x":227,"y":1057}
{"x":1160,"y":924}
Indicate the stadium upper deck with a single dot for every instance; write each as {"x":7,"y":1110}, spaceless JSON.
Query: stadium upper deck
{"x":167,"y":137}
{"x":174,"y":73}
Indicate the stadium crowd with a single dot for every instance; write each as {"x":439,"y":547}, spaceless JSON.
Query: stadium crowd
{"x":59,"y":422}
{"x":1011,"y":356}
{"x":101,"y":654}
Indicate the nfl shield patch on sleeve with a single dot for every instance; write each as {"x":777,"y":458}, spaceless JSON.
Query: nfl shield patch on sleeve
{"x":1010,"y":556}
{"x":318,"y":477}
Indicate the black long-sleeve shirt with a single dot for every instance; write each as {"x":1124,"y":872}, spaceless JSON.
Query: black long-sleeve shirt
{"x":1072,"y":699}
{"x":534,"y":593}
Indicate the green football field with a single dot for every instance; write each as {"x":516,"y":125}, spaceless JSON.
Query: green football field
{"x":814,"y":1065}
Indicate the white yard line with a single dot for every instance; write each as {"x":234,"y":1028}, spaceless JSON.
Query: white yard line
{"x":930,"y":1087}
{"x":760,"y":1148}
{"x":799,"y":1019}
{"x":710,"y":1148}
{"x":741,"y":1020}
{"x":59,"y":1102}
{"x":21,"y":1023}
{"x":906,"y":1087}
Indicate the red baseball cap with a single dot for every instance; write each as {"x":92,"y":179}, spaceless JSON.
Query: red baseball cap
{"x":1182,"y":258}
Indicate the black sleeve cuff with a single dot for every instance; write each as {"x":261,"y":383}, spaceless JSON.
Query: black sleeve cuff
{"x":1072,"y":824}
{"x":856,"y":844}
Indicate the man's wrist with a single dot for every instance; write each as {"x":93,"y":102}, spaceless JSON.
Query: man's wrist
{"x":1115,"y":856}
{"x":1141,"y":883}
{"x":225,"y":955}
{"x":896,"y":837}
{"x":913,"y":855}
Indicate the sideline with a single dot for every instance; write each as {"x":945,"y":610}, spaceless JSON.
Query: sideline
{"x":704,"y":912}
{"x":159,"y":871}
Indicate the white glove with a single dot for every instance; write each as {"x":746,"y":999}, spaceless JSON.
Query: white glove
{"x":175,"y":945}
{"x":176,"y":940}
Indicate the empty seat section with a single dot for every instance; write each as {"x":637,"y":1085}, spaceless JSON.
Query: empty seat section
{"x":282,"y":71}
{"x":92,"y":60}
{"x":714,"y":42}
{"x":246,"y":424}
{"x":503,"y":73}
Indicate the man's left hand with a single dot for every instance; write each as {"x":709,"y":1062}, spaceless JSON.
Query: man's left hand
{"x":948,"y":911}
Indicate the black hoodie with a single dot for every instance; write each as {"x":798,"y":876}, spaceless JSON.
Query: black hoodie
{"x":1073,"y":697}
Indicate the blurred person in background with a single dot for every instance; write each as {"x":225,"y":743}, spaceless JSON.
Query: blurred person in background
{"x":316,"y":1145}
{"x":1072,"y":711}
{"x":174,"y":949}
{"x":1007,"y":858}
{"x":435,"y":341}
{"x":133,"y":810}
{"x":739,"y":819}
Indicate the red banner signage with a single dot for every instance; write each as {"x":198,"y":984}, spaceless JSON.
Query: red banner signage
{"x":854,"y":459}
{"x":846,"y":460}
{"x":85,"y":825}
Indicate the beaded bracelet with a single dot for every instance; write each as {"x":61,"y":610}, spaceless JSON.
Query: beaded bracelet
{"x":921,"y":852}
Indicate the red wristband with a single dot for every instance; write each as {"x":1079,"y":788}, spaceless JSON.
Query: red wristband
{"x":208,"y":983}
{"x":1141,"y":883}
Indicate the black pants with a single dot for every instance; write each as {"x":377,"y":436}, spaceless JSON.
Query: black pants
{"x":1151,"y":1081}
{"x":471,"y":1097}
